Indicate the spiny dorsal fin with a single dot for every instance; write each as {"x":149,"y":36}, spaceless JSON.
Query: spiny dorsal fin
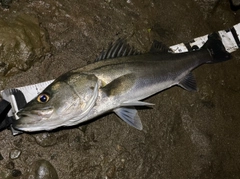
{"x":158,"y":47}
{"x":118,"y":49}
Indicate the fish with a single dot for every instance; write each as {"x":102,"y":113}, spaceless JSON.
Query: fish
{"x":118,"y":81}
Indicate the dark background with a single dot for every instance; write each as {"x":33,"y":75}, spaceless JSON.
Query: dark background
{"x":185,"y":135}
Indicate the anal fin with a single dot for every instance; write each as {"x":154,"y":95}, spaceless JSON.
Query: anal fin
{"x":130,"y":116}
{"x":188,"y":82}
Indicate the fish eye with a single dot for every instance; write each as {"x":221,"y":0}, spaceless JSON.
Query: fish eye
{"x":43,"y":98}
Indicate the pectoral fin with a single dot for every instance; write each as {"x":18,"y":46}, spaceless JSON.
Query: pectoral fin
{"x":119,"y":85}
{"x":130,"y":116}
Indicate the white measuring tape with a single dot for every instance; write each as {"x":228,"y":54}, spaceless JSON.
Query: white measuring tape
{"x":230,"y":39}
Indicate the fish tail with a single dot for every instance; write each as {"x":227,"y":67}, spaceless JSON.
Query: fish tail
{"x":216,"y":49}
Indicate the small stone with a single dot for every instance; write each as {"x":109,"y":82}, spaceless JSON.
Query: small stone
{"x":16,"y":173}
{"x":45,"y":139}
{"x":1,"y":157}
{"x":6,"y":3}
{"x":111,"y":172}
{"x":15,"y":153}
{"x":236,"y":2}
{"x":43,"y":169}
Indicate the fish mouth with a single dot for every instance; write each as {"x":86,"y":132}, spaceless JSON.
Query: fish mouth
{"x":31,"y":120}
{"x":37,"y":114}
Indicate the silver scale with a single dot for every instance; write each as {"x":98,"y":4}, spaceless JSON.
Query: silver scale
{"x":230,"y":39}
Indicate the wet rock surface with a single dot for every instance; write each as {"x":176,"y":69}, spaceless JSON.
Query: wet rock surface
{"x":23,"y":41}
{"x":185,"y":135}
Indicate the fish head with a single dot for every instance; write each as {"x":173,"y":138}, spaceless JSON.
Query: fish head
{"x":68,"y":98}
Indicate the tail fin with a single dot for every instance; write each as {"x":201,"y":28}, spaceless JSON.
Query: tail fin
{"x":216,"y":49}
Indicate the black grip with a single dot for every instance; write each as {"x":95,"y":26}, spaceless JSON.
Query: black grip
{"x":5,"y":107}
{"x":5,"y":121}
{"x":20,"y":98}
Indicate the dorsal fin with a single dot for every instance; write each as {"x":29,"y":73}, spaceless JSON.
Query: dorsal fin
{"x":118,"y":49}
{"x":158,"y":47}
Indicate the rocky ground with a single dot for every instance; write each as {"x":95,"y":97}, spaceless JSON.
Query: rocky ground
{"x":185,"y":135}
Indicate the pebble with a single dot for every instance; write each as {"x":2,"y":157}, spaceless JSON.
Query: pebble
{"x":5,"y":3}
{"x":45,"y":139}
{"x":1,"y":157}
{"x":43,"y":169}
{"x":16,"y":173}
{"x":236,"y":3}
{"x":15,"y":153}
